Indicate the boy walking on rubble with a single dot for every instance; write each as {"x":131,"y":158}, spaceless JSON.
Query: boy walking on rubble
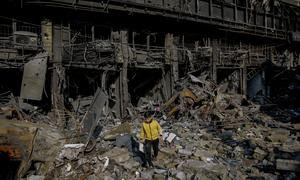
{"x":149,"y":135}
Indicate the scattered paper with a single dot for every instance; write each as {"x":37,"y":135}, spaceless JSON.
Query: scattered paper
{"x":141,"y":147}
{"x":171,"y":137}
{"x":105,"y":164}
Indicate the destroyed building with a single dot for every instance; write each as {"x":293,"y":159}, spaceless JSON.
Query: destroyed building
{"x":222,"y":76}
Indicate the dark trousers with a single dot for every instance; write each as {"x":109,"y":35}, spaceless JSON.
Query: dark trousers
{"x":148,"y":144}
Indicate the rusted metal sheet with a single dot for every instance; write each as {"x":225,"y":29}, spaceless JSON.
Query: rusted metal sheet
{"x":27,"y":142}
{"x":188,"y":94}
{"x":34,"y":78}
{"x":96,"y":111}
{"x":16,"y":139}
{"x":12,"y":152}
{"x":171,"y":107}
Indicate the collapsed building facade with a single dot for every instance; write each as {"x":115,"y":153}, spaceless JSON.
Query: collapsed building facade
{"x":134,"y":51}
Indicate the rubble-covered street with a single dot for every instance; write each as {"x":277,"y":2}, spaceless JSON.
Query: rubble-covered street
{"x":208,"y":133}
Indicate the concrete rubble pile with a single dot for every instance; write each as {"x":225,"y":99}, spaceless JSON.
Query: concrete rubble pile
{"x":208,"y":133}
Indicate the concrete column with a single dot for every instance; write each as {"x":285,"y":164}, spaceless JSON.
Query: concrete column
{"x":47,"y":36}
{"x":125,"y":98}
{"x":214,"y":59}
{"x":171,"y":57}
{"x":244,"y":78}
{"x":58,"y":76}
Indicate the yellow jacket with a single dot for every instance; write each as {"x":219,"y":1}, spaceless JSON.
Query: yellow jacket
{"x":150,"y":131}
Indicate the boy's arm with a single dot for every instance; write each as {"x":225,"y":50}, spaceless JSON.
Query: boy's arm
{"x":142,"y":133}
{"x":159,"y":128}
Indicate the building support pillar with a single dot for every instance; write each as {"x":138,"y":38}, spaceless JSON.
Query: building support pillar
{"x":58,"y":76}
{"x":244,"y":78}
{"x":124,"y":72}
{"x":171,"y":57}
{"x":214,"y":59}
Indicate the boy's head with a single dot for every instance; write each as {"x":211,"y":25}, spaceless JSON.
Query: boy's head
{"x":147,"y":115}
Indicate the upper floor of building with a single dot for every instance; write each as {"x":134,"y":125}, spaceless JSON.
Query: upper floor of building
{"x":279,"y":19}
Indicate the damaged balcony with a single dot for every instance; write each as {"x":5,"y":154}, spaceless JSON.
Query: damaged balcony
{"x":259,"y":18}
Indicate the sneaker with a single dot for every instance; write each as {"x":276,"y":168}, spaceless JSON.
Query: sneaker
{"x":144,"y":165}
{"x":151,"y":164}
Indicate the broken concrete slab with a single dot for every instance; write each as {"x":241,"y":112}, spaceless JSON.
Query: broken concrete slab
{"x":131,"y":164}
{"x":288,"y":165}
{"x":34,"y":77}
{"x":120,"y":155}
{"x":168,"y":151}
{"x":147,"y":175}
{"x":180,"y":175}
{"x":279,"y":135}
{"x":297,"y":126}
{"x":185,"y":152}
{"x":124,"y":128}
{"x":71,"y":151}
{"x":193,"y":164}
{"x":259,"y":154}
{"x":204,"y":154}
{"x":159,"y":177}
{"x":35,"y":177}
